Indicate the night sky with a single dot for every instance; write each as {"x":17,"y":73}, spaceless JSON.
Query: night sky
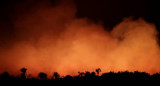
{"x":110,"y":12}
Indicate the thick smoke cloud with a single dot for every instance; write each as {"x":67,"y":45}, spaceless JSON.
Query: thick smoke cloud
{"x":48,"y":37}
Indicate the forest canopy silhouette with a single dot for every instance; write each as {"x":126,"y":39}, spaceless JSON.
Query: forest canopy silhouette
{"x":46,"y":36}
{"x":123,"y":75}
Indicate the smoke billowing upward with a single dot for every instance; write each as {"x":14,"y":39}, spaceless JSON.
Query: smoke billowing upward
{"x":48,"y":37}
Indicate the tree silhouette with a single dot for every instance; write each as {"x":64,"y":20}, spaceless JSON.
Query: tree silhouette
{"x":56,"y":75}
{"x":42,"y":76}
{"x":93,"y":74}
{"x":87,"y":74}
{"x":68,"y":77}
{"x":81,"y":74}
{"x":98,"y":71}
{"x":23,"y":75}
{"x":121,"y":75}
{"x":4,"y":76}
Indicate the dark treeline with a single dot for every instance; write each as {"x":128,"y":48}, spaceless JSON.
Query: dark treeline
{"x":126,"y":75}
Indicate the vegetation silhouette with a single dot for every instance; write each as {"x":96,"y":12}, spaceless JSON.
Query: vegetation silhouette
{"x":124,"y":75}
{"x":56,"y":75}
{"x":23,"y":75}
{"x":98,"y":71}
{"x":42,"y":76}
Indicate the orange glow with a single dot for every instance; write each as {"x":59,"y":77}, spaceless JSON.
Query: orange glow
{"x":52,"y":39}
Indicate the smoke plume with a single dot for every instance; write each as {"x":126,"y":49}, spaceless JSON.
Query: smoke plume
{"x":49,"y":38}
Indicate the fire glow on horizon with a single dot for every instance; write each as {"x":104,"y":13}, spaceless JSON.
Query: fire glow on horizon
{"x":51,"y":39}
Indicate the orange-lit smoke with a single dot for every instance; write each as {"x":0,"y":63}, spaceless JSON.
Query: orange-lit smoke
{"x":51,"y":39}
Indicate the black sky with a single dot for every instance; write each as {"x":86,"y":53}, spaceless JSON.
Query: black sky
{"x":110,"y":12}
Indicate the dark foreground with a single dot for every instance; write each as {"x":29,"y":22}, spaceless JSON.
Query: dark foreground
{"x":83,"y":76}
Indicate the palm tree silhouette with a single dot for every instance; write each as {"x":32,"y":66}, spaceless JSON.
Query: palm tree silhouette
{"x":23,"y":75}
